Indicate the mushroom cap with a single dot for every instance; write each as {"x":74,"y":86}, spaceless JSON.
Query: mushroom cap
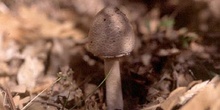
{"x":111,"y":35}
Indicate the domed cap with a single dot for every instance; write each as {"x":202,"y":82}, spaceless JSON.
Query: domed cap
{"x":111,"y":34}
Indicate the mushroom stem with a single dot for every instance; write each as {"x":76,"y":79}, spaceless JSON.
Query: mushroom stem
{"x":114,"y":97}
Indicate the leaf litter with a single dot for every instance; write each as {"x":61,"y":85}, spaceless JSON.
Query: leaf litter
{"x":44,"y":63}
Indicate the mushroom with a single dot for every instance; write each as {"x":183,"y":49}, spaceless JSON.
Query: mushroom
{"x":110,"y":37}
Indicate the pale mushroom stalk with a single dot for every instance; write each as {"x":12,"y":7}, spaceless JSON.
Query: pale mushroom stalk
{"x":114,"y":96}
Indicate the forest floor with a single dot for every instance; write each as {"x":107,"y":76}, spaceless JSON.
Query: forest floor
{"x":44,"y":63}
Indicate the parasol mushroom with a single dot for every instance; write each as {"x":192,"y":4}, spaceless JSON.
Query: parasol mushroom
{"x":110,"y":37}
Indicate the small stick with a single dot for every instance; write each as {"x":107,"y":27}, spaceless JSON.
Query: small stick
{"x":40,"y":94}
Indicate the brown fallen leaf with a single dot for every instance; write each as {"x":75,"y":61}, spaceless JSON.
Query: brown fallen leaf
{"x":215,"y":105}
{"x":29,"y":72}
{"x":44,"y":83}
{"x":168,"y":52}
{"x":182,"y":97}
{"x":20,"y":102}
{"x":173,"y":98}
{"x":207,"y":96}
{"x":193,"y":91}
{"x":18,"y":89}
{"x":214,"y":6}
{"x":47,"y":27}
{"x":25,"y":27}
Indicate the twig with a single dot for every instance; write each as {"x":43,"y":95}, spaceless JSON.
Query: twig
{"x":40,"y":93}
{"x":9,"y":99}
{"x":49,"y":103}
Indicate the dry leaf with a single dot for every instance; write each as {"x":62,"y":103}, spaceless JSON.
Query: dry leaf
{"x":196,"y":47}
{"x":4,"y":80}
{"x":20,"y":102}
{"x":193,"y":91}
{"x":47,"y":27}
{"x":168,"y":52}
{"x":89,"y":7}
{"x":10,"y":25}
{"x":173,"y":98}
{"x":45,"y":82}
{"x":204,"y":99}
{"x":193,"y":96}
{"x":26,"y":26}
{"x":39,"y":106}
{"x":9,"y":49}
{"x":215,"y":105}
{"x":29,"y":71}
{"x":214,"y":6}
{"x":3,"y":8}
{"x":18,"y":89}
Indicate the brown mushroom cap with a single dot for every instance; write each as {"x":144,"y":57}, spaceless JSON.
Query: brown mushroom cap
{"x":111,"y":34}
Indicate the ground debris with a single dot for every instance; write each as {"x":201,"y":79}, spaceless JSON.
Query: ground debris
{"x":44,"y":63}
